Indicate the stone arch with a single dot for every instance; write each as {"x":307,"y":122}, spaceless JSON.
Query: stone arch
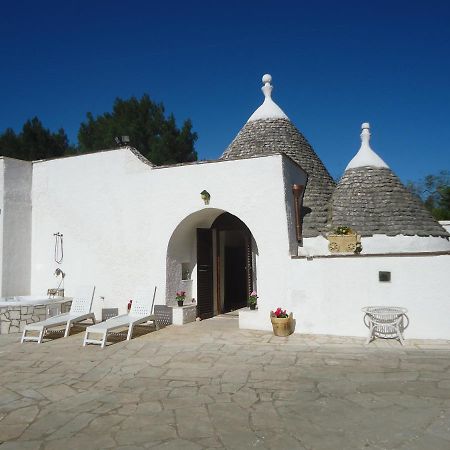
{"x":181,"y":259}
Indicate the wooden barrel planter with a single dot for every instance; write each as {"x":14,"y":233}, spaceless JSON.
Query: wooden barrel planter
{"x":282,"y":326}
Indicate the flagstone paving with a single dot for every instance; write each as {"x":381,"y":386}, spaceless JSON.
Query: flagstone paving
{"x":209,"y":385}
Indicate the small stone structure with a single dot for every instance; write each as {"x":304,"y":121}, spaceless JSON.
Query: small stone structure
{"x":14,"y":318}
{"x":184,"y":314}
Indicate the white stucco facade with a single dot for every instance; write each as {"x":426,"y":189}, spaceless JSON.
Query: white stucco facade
{"x":326,"y":294}
{"x":119,"y":218}
{"x":128,"y":225}
{"x":15,"y":226}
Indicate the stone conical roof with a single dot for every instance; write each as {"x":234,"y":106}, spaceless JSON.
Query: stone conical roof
{"x":371,"y":199}
{"x":269,"y":131}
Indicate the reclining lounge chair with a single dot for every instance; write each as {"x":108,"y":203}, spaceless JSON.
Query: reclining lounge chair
{"x":79,"y":310}
{"x":141,"y":311}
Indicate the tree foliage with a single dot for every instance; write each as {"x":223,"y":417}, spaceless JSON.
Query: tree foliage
{"x":158,"y":138}
{"x":434,"y":190}
{"x":34,"y":142}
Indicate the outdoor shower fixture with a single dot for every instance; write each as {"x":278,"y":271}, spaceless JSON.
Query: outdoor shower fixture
{"x":59,"y":249}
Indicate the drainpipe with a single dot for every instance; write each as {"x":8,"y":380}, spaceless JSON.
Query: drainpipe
{"x":297,"y":190}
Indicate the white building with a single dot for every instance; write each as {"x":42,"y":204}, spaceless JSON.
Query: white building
{"x":129,"y":224}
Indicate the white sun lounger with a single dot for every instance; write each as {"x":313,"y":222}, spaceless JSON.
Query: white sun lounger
{"x":141,"y":311}
{"x":79,"y":310}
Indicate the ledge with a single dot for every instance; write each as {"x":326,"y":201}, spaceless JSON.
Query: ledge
{"x":373,"y":255}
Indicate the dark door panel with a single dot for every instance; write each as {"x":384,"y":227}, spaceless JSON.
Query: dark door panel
{"x":205,"y":305}
{"x":235,"y":278}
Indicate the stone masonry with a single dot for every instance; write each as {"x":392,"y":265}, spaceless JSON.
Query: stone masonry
{"x":209,"y":385}
{"x":14,"y":318}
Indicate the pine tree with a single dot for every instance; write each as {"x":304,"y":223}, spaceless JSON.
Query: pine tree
{"x":158,"y":138}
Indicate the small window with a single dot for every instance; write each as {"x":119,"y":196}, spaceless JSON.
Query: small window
{"x":384,"y":277}
{"x":186,"y":271}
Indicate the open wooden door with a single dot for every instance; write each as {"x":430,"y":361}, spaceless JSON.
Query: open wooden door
{"x":205,"y":284}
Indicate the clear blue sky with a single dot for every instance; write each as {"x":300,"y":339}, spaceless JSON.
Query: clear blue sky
{"x":335,"y":64}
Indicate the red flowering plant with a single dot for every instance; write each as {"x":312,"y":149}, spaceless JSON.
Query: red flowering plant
{"x":180,"y":296}
{"x":252,"y":298}
{"x":280,"y":313}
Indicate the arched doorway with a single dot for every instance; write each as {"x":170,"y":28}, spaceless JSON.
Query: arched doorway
{"x":211,"y":255}
{"x":225,"y":266}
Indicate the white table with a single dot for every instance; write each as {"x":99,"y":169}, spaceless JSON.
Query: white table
{"x":386,"y":322}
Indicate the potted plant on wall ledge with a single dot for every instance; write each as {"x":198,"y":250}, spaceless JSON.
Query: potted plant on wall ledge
{"x":252,"y":300}
{"x":344,"y":240}
{"x":180,"y":297}
{"x":282,"y":322}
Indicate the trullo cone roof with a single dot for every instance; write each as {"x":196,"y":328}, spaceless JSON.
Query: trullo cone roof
{"x":371,"y":199}
{"x":269,"y":131}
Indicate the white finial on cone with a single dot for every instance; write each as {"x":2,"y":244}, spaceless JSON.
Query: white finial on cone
{"x":269,"y":109}
{"x":267,"y":88}
{"x":366,"y":156}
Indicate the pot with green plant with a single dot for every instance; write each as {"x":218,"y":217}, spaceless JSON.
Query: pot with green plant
{"x":252,"y":300}
{"x":282,"y":322}
{"x":344,"y":240}
{"x":180,"y":297}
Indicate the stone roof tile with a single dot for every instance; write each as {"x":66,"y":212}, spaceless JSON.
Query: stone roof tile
{"x":372,"y":200}
{"x":275,"y":135}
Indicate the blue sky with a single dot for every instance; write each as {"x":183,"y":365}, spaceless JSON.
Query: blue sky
{"x":334,"y":65}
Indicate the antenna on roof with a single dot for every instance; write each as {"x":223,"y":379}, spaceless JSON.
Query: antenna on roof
{"x":122,"y":141}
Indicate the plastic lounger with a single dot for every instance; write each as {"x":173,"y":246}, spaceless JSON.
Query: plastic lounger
{"x":140,"y":312}
{"x":79,"y":310}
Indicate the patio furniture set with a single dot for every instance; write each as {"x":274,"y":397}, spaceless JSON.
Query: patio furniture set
{"x":80,"y":310}
{"x":386,"y":322}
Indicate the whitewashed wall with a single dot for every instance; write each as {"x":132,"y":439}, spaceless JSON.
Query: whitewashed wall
{"x":123,"y":221}
{"x":380,"y":243}
{"x":15,"y":181}
{"x":118,"y":215}
{"x":327,"y":294}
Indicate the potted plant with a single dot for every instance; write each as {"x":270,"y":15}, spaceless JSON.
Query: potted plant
{"x":252,"y":300}
{"x":282,"y":322}
{"x":344,"y":240}
{"x":180,"y":297}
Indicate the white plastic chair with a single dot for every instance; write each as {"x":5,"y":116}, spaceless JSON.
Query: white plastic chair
{"x":79,"y":310}
{"x":141,"y":311}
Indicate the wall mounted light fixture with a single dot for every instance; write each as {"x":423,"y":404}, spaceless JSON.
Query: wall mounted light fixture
{"x":205,"y":196}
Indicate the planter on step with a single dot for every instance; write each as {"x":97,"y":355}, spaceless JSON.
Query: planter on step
{"x":282,"y":326}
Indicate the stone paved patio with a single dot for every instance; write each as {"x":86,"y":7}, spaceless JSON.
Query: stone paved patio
{"x":209,"y":385}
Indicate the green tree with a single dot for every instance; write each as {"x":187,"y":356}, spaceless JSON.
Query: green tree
{"x":34,"y":142}
{"x":158,"y":138}
{"x":434,"y":191}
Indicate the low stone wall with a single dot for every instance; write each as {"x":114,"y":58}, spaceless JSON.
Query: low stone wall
{"x":14,"y":318}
